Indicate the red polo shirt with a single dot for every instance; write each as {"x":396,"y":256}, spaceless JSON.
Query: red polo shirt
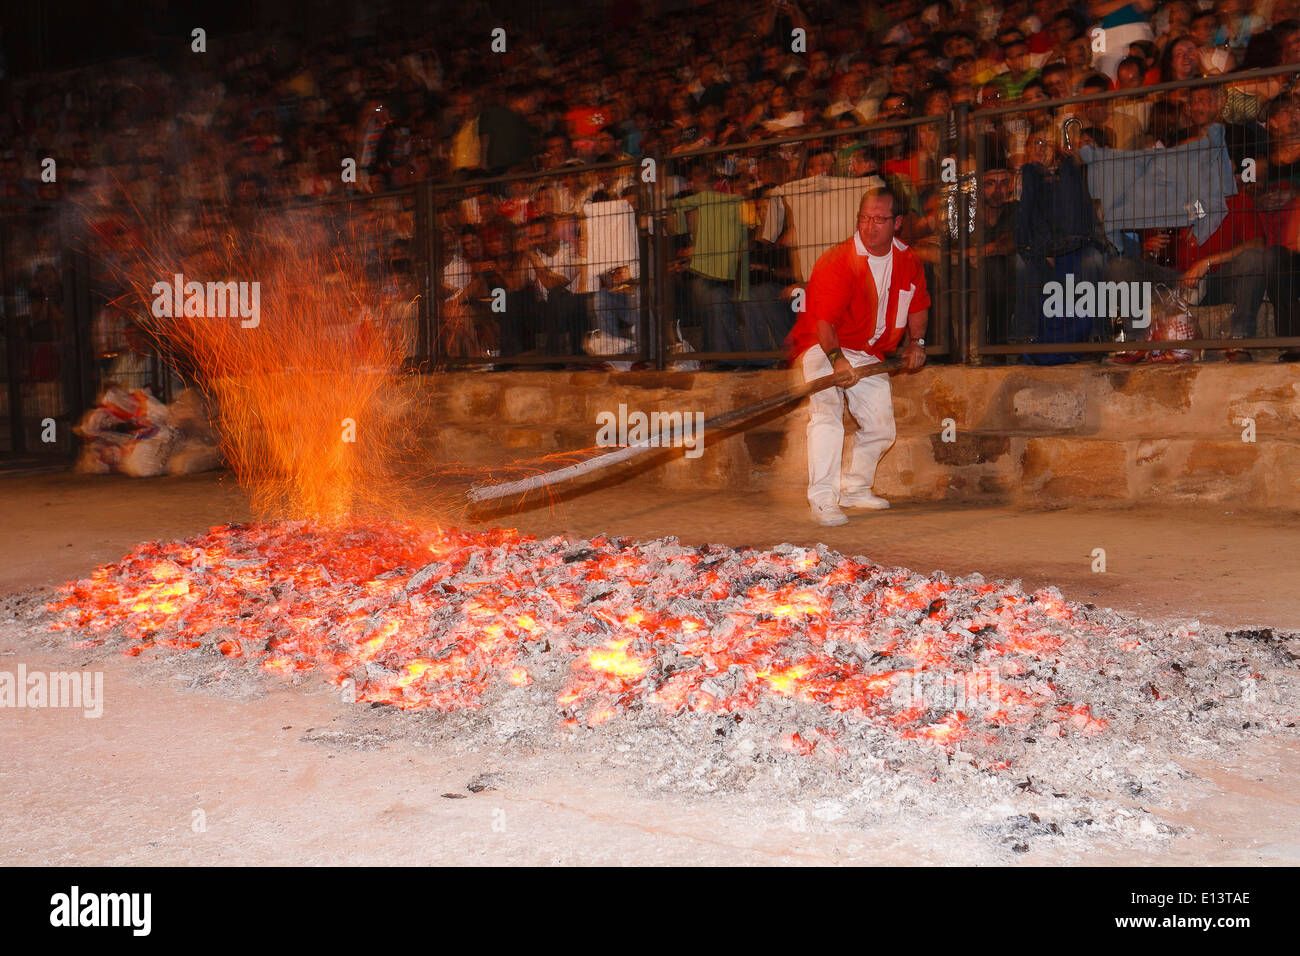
{"x":842,"y":291}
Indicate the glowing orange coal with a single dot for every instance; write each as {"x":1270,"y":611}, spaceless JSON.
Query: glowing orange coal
{"x":428,"y":618}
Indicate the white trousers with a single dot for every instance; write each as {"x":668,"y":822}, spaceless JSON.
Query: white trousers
{"x":872,"y":406}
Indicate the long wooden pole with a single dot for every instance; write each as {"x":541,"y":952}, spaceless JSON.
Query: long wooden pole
{"x":598,"y":462}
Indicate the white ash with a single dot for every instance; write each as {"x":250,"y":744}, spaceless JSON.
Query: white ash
{"x":1187,"y":691}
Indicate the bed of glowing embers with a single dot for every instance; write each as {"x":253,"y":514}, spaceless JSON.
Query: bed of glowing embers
{"x":442,"y":619}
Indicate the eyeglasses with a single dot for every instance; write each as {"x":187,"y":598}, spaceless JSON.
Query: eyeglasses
{"x":876,"y":220}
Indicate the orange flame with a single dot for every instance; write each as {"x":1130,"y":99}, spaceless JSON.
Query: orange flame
{"x":300,"y":396}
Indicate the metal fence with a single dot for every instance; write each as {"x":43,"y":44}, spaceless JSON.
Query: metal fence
{"x":692,"y":257}
{"x":542,"y":268}
{"x":1148,"y":223}
{"x":1152,"y":223}
{"x":43,"y":332}
{"x":1051,"y":230}
{"x":745,"y":225}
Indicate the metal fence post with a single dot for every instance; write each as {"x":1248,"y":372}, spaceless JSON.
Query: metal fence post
{"x":663,"y":321}
{"x":13,"y":343}
{"x":424,"y":240}
{"x":981,"y":298}
{"x":961,"y":331}
{"x":432,"y":326}
{"x":80,"y":321}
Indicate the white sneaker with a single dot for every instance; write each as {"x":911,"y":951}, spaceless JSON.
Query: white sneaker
{"x":828,"y":514}
{"x":862,"y":499}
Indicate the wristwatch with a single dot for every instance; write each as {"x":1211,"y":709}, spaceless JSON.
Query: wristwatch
{"x":920,"y":342}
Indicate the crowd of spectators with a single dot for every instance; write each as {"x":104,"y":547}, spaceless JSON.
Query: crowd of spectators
{"x":552,"y":260}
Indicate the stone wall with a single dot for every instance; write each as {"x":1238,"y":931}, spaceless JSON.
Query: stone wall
{"x":1041,"y":437}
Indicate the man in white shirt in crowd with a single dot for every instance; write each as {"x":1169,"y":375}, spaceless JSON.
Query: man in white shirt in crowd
{"x":553,"y":269}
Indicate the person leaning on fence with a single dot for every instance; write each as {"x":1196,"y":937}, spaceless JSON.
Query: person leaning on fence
{"x":866,"y":294}
{"x":557,"y":314}
{"x":995,"y":258}
{"x":714,"y":220}
{"x":1057,"y":235}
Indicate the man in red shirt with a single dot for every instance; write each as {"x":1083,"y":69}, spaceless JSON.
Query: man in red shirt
{"x":863,"y":296}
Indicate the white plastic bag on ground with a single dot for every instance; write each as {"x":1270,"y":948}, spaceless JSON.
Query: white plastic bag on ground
{"x":192,"y":456}
{"x":188,"y":415}
{"x":145,"y":456}
{"x":102,"y":442}
{"x":682,"y":347}
{"x":93,"y":461}
{"x":603,"y":343}
{"x":1171,"y":321}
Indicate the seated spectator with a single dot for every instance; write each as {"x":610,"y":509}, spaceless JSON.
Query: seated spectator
{"x":901,"y":161}
{"x":1238,"y":26}
{"x":1128,"y":76}
{"x":710,"y":88}
{"x":995,"y":259}
{"x":765,"y":307}
{"x":1279,"y":204}
{"x":903,"y":78}
{"x":1246,"y":99}
{"x":1037,"y":32}
{"x":782,"y":118}
{"x":961,"y":79}
{"x":1078,"y":58}
{"x":459,"y":317}
{"x":1165,"y":124}
{"x":1104,"y":124}
{"x":556,"y":153}
{"x":925,"y":61}
{"x":498,"y":276}
{"x":851,"y":101}
{"x":519,"y":204}
{"x":1019,"y":72}
{"x":553,"y":275}
{"x":610,"y":251}
{"x":1148,"y":54}
{"x":1279,"y":180}
{"x":1181,"y":61}
{"x":1214,"y":57}
{"x":1056,"y":81}
{"x":1172,"y":21}
{"x":1230,"y":267}
{"x":1066,"y":27}
{"x":586,"y":117}
{"x":1017,"y":127}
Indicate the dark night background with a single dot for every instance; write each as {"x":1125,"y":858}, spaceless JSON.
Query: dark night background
{"x":61,"y":34}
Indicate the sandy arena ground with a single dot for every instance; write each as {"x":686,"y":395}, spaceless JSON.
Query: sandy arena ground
{"x":270,"y":783}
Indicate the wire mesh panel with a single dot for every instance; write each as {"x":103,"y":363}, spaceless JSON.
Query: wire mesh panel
{"x":749,"y":223}
{"x":542,"y":268}
{"x":378,"y":233}
{"x":40,"y":339}
{"x":1113,"y":222}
